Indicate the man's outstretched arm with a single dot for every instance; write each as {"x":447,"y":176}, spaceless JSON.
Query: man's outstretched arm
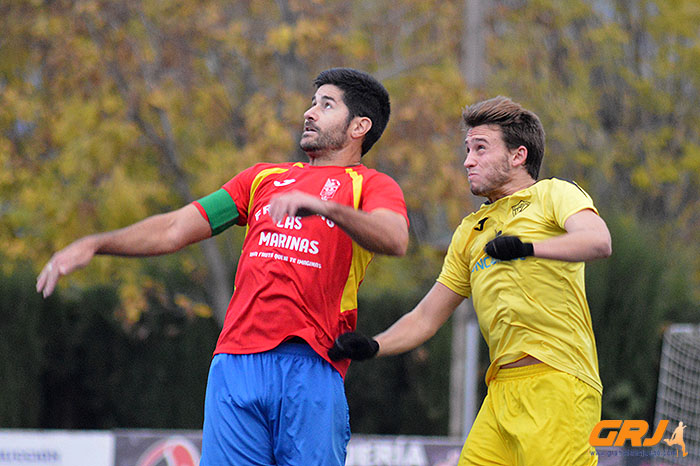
{"x":407,"y":333}
{"x":159,"y":234}
{"x":419,"y":325}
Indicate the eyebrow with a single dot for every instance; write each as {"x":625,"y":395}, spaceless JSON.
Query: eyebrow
{"x":477,"y":139}
{"x":323,"y":97}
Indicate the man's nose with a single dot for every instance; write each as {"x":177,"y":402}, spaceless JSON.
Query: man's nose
{"x":310,"y":114}
{"x":469,"y":161}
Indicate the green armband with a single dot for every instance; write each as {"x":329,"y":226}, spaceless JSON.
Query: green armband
{"x":220,"y":209}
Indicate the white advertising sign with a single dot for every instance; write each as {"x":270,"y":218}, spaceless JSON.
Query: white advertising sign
{"x":56,"y":448}
{"x":402,"y":451}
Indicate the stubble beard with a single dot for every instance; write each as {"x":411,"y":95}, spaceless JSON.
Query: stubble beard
{"x":501,"y":176}
{"x":325,"y":141}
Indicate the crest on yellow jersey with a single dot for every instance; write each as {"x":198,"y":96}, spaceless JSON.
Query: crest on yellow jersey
{"x":519,"y":207}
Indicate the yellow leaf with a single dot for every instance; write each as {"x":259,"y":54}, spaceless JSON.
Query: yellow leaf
{"x":280,"y":38}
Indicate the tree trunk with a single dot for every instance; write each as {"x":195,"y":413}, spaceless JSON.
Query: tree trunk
{"x":473,"y":43}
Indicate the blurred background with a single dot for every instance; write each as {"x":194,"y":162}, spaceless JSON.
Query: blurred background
{"x":111,"y":111}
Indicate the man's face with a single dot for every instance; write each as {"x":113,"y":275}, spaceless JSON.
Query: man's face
{"x":488,"y":160}
{"x":325,"y":122}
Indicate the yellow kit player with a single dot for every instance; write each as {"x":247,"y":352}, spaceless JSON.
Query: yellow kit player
{"x":521,"y":259}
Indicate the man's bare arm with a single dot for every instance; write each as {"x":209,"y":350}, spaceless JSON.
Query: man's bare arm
{"x":159,"y":234}
{"x":407,"y":333}
{"x":419,"y":325}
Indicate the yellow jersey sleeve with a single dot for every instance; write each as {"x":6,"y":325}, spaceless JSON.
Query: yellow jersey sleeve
{"x":567,"y":199}
{"x":455,"y":272}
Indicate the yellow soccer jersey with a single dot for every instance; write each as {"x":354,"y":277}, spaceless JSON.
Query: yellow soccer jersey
{"x":531,"y":305}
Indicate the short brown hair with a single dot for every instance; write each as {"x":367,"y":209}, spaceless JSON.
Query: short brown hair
{"x":364,"y":96}
{"x":520,"y":127}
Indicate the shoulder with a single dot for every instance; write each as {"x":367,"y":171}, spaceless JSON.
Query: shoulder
{"x":265,"y":166}
{"x":372,"y":178}
{"x":560,"y":187}
{"x":254,"y":174}
{"x":559,"y":183}
{"x":369,"y":173}
{"x":565,"y":198}
{"x":262,"y":170}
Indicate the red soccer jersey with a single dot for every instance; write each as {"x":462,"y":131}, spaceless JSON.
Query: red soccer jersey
{"x":299,"y":277}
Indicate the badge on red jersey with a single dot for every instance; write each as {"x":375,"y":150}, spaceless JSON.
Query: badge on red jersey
{"x":329,"y":189}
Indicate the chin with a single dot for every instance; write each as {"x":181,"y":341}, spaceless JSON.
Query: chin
{"x":479,"y":192}
{"x":309,"y":149}
{"x":312,"y":152}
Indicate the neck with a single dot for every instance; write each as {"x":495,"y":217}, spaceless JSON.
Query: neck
{"x":511,"y":187}
{"x":344,"y":157}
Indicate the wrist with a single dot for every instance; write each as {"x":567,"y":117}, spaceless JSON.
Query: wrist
{"x":97,"y":243}
{"x":330,"y":209}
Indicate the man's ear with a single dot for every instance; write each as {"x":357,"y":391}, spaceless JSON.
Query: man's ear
{"x":519,"y":156}
{"x":360,"y":126}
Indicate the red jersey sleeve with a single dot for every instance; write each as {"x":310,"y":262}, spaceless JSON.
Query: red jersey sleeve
{"x":380,"y":191}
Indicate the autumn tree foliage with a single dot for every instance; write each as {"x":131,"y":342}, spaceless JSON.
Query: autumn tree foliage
{"x":112,"y":111}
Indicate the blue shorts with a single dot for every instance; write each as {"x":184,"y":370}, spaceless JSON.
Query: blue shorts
{"x":283,"y":407}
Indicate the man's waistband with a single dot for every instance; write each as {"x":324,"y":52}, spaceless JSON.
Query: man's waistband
{"x":295,"y":346}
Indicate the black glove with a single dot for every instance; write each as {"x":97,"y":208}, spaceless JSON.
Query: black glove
{"x":353,"y":345}
{"x":506,"y":248}
{"x":303,"y":212}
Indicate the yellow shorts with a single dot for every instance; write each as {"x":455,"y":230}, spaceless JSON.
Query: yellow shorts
{"x":534,"y":416}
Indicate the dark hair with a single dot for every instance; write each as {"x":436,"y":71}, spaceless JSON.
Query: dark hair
{"x":364,"y":96}
{"x":520,"y":127}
